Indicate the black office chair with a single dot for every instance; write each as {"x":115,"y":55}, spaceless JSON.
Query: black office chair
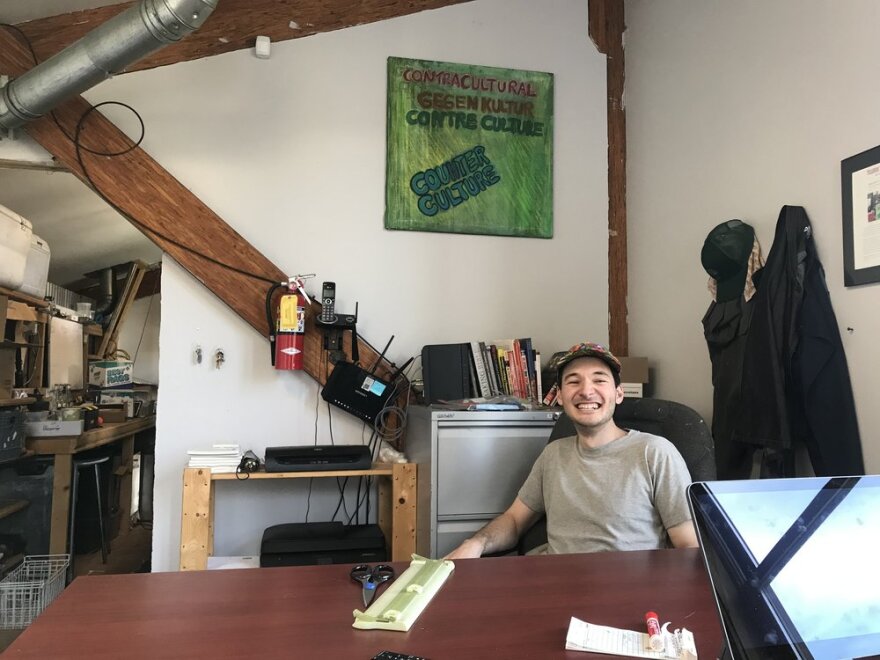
{"x":679,"y":424}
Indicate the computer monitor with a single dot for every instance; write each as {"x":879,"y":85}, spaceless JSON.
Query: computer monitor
{"x":794,"y":564}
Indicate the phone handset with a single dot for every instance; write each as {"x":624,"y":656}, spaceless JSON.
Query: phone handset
{"x":328,"y":303}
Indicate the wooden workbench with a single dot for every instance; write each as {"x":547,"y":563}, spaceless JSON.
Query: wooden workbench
{"x":63,"y":449}
{"x":397,"y":508}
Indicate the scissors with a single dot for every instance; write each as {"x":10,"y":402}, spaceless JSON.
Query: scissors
{"x":371,"y":578}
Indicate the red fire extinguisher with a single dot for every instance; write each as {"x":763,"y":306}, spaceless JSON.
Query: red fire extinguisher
{"x":289,"y":326}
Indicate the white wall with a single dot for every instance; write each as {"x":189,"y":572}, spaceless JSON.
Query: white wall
{"x":139,"y":335}
{"x":291,"y":151}
{"x":733,"y":110}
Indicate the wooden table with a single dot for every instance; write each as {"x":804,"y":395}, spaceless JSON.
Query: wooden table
{"x":63,"y":449}
{"x":396,"y":514}
{"x":501,"y":608}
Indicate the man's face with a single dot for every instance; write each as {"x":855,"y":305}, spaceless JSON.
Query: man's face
{"x":588,"y":393}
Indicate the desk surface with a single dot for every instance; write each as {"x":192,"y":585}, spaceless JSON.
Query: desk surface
{"x":506,"y":607}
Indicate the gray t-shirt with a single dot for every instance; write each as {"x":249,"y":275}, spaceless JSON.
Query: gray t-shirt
{"x":621,"y":496}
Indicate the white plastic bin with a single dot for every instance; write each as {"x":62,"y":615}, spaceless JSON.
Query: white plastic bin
{"x":36,"y":272}
{"x":15,"y":244}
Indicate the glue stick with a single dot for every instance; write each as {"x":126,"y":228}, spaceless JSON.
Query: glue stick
{"x":655,"y":639}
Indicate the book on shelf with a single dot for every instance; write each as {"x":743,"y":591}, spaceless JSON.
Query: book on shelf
{"x":511,"y":366}
{"x":485,"y":369}
{"x":482,"y":373}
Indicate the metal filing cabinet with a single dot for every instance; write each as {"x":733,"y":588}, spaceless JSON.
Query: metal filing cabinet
{"x":470,"y":468}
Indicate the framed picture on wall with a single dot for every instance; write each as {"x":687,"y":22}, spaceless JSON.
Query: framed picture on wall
{"x":469,"y":150}
{"x":860,"y":189}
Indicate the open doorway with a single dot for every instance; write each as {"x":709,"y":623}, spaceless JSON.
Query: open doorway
{"x":103,"y":278}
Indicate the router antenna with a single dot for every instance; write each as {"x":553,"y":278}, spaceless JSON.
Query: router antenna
{"x":397,"y":373}
{"x":381,"y":355}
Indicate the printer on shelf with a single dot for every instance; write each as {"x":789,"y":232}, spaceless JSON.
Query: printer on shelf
{"x":301,"y":544}
{"x":318,"y":458}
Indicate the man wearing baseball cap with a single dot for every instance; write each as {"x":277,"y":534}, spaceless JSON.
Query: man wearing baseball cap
{"x":606,"y":488}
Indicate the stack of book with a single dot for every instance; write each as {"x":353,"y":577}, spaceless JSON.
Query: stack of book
{"x":220,"y":458}
{"x":505,"y":367}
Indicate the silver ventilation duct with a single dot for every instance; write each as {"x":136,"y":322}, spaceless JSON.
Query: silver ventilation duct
{"x":108,"y":49}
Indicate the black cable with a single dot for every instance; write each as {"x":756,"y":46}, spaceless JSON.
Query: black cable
{"x":79,"y":147}
{"x":24,"y":38}
{"x":137,"y":223}
{"x":309,"y":499}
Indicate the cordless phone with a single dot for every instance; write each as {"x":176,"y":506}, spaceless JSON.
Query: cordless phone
{"x":328,"y":302}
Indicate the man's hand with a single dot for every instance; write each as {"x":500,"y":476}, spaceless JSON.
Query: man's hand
{"x":500,"y":534}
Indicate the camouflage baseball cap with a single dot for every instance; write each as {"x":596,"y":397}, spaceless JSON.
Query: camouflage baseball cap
{"x":588,"y":349}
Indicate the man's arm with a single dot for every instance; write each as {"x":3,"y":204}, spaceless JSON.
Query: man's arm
{"x":683,"y":535}
{"x":500,"y":534}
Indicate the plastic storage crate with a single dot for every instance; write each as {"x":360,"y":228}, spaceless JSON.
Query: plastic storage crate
{"x":28,"y":589}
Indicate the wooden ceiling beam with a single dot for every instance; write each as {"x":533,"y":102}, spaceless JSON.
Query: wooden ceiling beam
{"x":170,"y":215}
{"x":234,"y":25}
{"x":606,"y":27}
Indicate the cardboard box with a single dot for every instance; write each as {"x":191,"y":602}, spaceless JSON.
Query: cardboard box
{"x":51,"y":427}
{"x":110,"y":373}
{"x":633,"y":390}
{"x":115,"y":396}
{"x":633,"y":370}
{"x":124,"y":397}
{"x":112,"y":415}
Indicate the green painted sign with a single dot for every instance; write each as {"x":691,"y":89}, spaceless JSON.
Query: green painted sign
{"x":470,"y":149}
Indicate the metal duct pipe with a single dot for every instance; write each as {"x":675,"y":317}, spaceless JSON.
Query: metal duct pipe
{"x":108,"y":49}
{"x":106,"y":296}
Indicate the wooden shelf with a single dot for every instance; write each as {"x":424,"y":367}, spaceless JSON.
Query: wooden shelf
{"x":8,"y":507}
{"x":6,"y":403}
{"x":18,"y":344}
{"x":23,"y":297}
{"x":378,"y":470}
{"x":396,"y":508}
{"x":24,"y":454}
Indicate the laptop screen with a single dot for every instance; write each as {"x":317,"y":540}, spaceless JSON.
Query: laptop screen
{"x":794,"y":564}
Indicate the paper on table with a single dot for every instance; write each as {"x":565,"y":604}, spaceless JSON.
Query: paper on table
{"x":583,"y":636}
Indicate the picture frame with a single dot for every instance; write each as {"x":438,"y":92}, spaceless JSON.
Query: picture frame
{"x":860,"y":194}
{"x":469,"y":149}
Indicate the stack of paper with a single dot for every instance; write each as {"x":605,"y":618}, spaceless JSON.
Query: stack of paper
{"x":583,"y":636}
{"x":220,"y":458}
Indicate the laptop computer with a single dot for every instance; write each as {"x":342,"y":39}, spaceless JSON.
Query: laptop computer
{"x":794,"y":564}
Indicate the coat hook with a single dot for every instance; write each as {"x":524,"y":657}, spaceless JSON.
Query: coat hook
{"x":219,"y":358}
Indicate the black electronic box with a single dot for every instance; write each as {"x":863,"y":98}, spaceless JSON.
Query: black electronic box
{"x":303,"y":544}
{"x":318,"y":458}
{"x":356,"y":391}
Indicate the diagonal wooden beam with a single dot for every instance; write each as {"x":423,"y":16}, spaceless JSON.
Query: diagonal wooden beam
{"x":169,"y":214}
{"x":234,"y":25}
{"x":606,"y":30}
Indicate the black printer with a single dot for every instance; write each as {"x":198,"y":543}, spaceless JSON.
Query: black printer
{"x":318,"y":458}
{"x":302,"y":544}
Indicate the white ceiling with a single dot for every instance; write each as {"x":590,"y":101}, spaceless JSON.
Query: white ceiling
{"x":82,"y":231}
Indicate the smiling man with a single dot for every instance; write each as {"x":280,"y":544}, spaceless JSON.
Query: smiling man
{"x":606,"y":488}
